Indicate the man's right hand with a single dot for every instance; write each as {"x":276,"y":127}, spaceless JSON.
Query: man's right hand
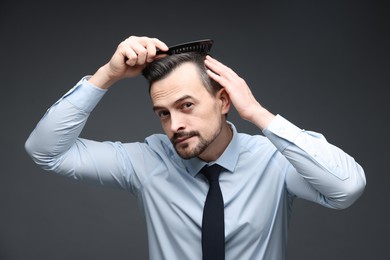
{"x":129,"y":59}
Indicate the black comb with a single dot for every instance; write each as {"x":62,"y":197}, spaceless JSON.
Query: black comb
{"x":200,"y":46}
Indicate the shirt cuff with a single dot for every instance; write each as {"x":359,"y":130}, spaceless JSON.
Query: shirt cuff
{"x":84,"y":95}
{"x":282,"y":132}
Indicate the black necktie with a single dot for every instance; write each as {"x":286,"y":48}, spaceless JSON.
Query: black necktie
{"x":213,"y":229}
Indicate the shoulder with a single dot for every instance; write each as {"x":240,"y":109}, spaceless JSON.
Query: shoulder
{"x":154,"y":151}
{"x":263,"y":152}
{"x":157,"y":140}
{"x":155,"y":143}
{"x":255,"y":143}
{"x":160,"y":143}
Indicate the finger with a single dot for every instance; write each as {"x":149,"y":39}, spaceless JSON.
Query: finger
{"x":135,"y":46}
{"x":151,"y":51}
{"x":147,"y":53}
{"x":159,"y":44}
{"x":213,"y":75}
{"x":153,"y":45}
{"x":126,"y":54}
{"x":223,"y":81}
{"x":141,"y":51}
{"x":131,"y":57}
{"x":219,"y":68}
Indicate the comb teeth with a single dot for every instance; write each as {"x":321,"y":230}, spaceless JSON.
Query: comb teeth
{"x":192,"y":48}
{"x":201,"y":46}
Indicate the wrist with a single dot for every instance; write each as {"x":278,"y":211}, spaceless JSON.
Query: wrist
{"x":103,"y":78}
{"x":262,"y":118}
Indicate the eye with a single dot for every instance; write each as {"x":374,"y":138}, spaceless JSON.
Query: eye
{"x":163,"y":114}
{"x":187,"y":105}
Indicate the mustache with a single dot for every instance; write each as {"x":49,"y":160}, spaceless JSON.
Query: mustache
{"x":183,"y":134}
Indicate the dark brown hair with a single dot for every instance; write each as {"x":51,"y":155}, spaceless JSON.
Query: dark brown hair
{"x":160,"y":68}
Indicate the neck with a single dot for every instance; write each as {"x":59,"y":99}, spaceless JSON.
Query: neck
{"x":218,"y":146}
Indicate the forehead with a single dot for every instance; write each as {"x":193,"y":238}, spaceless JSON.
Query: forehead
{"x":183,"y":80}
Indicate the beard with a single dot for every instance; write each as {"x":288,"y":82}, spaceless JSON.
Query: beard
{"x":184,"y":151}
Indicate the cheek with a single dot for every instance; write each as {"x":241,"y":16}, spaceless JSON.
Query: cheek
{"x":166,"y":128}
{"x":212,"y":115}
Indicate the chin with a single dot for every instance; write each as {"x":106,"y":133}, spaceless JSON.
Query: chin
{"x":186,"y":154}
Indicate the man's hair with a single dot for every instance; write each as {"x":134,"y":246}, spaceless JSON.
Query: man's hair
{"x":160,"y":68}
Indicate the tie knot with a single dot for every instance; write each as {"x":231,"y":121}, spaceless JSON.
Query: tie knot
{"x":211,"y":172}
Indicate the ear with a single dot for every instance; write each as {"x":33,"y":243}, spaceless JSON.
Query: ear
{"x":224,"y":100}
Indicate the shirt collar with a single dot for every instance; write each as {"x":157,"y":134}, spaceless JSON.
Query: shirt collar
{"x":228,"y":159}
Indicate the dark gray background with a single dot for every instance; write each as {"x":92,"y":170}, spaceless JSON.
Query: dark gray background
{"x":324,"y":65}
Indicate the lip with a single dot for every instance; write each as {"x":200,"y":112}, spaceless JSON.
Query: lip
{"x":182,"y":139}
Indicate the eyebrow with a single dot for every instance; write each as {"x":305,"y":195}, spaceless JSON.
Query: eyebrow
{"x":175,"y":103}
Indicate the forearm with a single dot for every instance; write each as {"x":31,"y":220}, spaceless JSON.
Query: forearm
{"x":328,"y":169}
{"x":103,"y":78}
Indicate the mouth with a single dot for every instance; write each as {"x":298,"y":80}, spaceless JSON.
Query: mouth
{"x":179,"y":140}
{"x":182,"y":137}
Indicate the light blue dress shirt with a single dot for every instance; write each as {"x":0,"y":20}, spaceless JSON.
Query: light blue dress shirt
{"x":262,"y":176}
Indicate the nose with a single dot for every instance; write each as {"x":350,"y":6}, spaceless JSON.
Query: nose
{"x":177,"y":122}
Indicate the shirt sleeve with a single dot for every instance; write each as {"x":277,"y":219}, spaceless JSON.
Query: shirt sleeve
{"x":83,"y":95}
{"x":324,"y":173}
{"x":55,"y":144}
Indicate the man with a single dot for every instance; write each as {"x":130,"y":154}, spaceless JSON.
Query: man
{"x":191,"y":94}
